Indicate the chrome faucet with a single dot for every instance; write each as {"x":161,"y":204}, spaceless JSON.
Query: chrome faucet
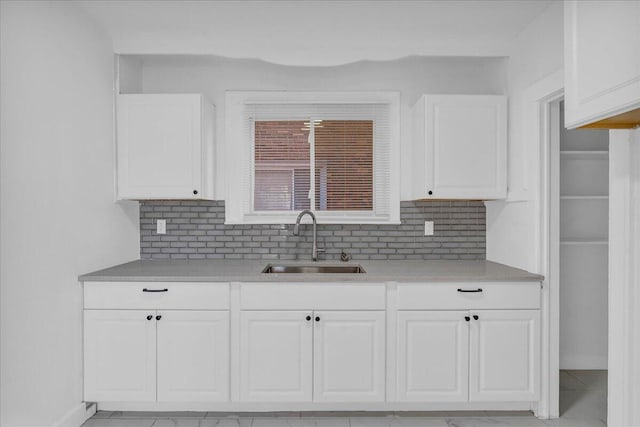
{"x":296,"y":232}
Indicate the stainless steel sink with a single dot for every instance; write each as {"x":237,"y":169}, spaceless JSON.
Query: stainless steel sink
{"x":314,"y":269}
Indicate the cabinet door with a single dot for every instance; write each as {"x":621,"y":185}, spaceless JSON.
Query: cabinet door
{"x":504,"y":355}
{"x":276,"y":356}
{"x":119,"y":355}
{"x":159,"y":146}
{"x":193,"y":356}
{"x":465,"y":140}
{"x":433,"y":356}
{"x":349,"y":356}
{"x":602,"y":59}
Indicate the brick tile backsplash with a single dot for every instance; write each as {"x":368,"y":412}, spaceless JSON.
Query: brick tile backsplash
{"x":196,"y":230}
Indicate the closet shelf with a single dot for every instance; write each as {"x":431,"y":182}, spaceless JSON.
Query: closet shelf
{"x":584,"y":242}
{"x":587,"y":152}
{"x":575,"y":154}
{"x":584,"y":197}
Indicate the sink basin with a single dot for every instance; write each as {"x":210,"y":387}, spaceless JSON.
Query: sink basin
{"x":314,"y":269}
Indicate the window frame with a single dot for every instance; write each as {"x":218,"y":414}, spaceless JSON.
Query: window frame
{"x":240,"y":153}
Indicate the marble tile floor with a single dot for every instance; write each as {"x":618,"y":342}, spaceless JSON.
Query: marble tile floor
{"x":583,"y":403}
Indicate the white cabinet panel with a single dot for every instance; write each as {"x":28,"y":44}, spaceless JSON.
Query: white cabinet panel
{"x":318,"y":296}
{"x":276,"y":356}
{"x":156,"y":295}
{"x":466,"y":296}
{"x":602,"y":59}
{"x":120,"y":355}
{"x":165,"y":146}
{"x":464,"y":141}
{"x":432,"y":356}
{"x":349,"y":362}
{"x":504,"y":355}
{"x":193,"y":356}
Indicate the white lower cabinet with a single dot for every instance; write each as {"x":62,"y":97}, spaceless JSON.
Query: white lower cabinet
{"x":276,"y":356}
{"x":349,"y":362}
{"x":193,"y":356}
{"x":482,"y":355}
{"x":119,"y":355}
{"x":433,"y":359}
{"x":305,"y":356}
{"x":505,"y":355}
{"x":308,"y":346}
{"x":148,"y":355}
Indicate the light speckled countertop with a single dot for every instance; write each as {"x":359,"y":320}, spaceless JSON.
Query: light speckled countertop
{"x":250,"y":271}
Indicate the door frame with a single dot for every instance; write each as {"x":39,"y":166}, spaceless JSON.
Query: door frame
{"x":541,"y":103}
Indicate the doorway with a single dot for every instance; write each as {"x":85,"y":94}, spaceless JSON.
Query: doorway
{"x":579,"y":207}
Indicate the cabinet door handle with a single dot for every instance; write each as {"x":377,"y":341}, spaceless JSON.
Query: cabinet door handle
{"x":155,"y":290}
{"x":469,"y":290}
{"x":149,"y":317}
{"x":476,"y":317}
{"x":317,"y":318}
{"x":195,"y":192}
{"x":158,"y":317}
{"x":467,"y":318}
{"x":430,"y":192}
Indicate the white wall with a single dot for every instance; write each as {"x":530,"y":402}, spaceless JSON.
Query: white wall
{"x":410,"y":76}
{"x":513,"y":227}
{"x":536,"y":53}
{"x":58,"y":218}
{"x":315,"y":32}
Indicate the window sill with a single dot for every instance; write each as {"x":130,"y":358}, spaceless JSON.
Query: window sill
{"x":321,"y":219}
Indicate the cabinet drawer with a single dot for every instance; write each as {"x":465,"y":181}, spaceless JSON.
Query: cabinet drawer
{"x":141,"y":295}
{"x":452,"y":296}
{"x":318,"y":296}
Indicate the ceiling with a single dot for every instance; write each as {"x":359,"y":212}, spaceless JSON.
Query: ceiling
{"x":305,"y":32}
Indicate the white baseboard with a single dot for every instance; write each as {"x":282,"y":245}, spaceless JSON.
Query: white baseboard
{"x":76,"y":416}
{"x":312,"y":406}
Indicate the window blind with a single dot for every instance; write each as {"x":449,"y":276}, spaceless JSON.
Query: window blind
{"x":343,"y":149}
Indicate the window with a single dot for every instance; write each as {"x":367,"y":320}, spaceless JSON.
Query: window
{"x":328,"y":152}
{"x":282,"y":159}
{"x":341,"y":167}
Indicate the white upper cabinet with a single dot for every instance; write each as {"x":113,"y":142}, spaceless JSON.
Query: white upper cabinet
{"x":460,"y":146}
{"x":164,"y":146}
{"x":602,"y":62}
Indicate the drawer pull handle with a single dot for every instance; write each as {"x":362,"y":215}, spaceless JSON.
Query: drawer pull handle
{"x":467,"y":318}
{"x":476,"y":317}
{"x":155,"y":290}
{"x":149,"y":317}
{"x":469,"y":290}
